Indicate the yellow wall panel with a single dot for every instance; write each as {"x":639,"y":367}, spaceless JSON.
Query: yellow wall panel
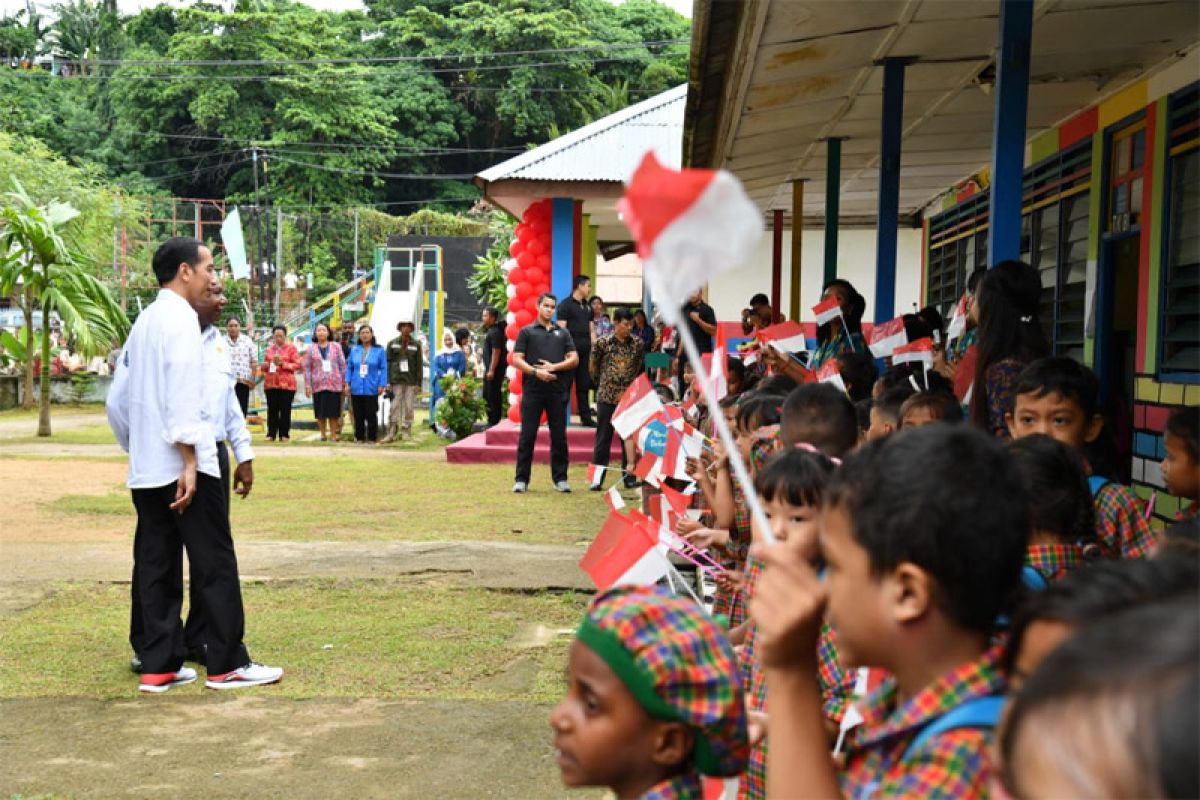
{"x":1122,"y":104}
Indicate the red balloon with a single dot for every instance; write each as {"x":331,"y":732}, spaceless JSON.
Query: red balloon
{"x":531,"y":304}
{"x":511,"y":332}
{"x":514,"y":385}
{"x":515,"y":248}
{"x":520,"y":229}
{"x":524,"y":318}
{"x":535,"y":276}
{"x":514,"y":413}
{"x":524,"y":289}
{"x":543,"y":262}
{"x":516,"y":275}
{"x":514,"y":304}
{"x":537,"y":246}
{"x":525,"y":259}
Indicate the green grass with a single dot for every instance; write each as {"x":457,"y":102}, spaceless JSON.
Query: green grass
{"x":349,"y":499}
{"x":18,"y":413}
{"x":387,"y":641}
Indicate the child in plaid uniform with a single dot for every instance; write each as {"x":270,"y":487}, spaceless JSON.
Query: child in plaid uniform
{"x":923,"y":535}
{"x":653,"y":699}
{"x":1181,"y":464}
{"x":1057,"y":397}
{"x":1063,"y":530}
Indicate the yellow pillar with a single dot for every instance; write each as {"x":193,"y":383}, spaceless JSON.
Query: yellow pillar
{"x":588,"y":249}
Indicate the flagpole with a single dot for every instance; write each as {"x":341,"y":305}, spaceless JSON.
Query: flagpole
{"x":671,"y":310}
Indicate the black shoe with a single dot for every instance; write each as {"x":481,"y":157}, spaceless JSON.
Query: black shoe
{"x":588,"y":423}
{"x":631,"y":482}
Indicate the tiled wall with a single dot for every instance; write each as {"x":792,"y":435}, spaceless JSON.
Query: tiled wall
{"x":1153,"y":405}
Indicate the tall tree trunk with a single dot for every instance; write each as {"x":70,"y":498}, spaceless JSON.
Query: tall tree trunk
{"x":27,"y":309}
{"x":44,"y":388}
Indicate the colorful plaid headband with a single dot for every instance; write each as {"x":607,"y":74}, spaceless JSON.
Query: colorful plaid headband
{"x":678,"y":665}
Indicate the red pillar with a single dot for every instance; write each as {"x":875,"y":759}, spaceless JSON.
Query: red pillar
{"x":777,"y":258}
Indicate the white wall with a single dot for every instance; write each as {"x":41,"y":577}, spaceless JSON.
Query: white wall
{"x":730,"y":292}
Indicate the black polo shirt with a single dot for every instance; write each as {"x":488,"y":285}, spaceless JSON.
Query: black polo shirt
{"x":703,"y":339}
{"x":545,"y":344}
{"x":578,"y":317}
{"x":493,"y":340}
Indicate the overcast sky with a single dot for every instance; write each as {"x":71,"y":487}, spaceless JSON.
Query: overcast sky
{"x":130,"y":6}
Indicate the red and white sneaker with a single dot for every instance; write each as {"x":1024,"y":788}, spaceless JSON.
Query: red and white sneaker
{"x":250,"y":675}
{"x":159,"y":682}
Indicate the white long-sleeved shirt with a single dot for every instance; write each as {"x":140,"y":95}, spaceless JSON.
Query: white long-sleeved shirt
{"x":220,"y":400}
{"x":156,"y":400}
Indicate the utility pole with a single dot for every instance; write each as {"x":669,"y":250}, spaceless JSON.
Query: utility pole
{"x":118,"y":267}
{"x":355,"y":269}
{"x":278,"y":254}
{"x":258,"y":220}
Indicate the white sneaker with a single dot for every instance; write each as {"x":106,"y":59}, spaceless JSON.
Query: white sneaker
{"x":159,"y":682}
{"x":250,"y":675}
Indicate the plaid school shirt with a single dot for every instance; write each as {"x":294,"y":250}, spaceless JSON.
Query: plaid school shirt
{"x":951,"y":765}
{"x":732,"y":604}
{"x":687,"y":786}
{"x":1121,"y":525}
{"x":1053,"y":561}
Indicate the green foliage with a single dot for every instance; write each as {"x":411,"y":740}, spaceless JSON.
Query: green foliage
{"x":487,"y":282}
{"x":81,"y":386}
{"x":461,"y":406}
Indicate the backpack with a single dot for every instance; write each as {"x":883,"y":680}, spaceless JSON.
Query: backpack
{"x":979,"y":712}
{"x":1096,"y":483}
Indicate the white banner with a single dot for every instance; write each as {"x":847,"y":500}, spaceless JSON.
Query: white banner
{"x":235,"y":245}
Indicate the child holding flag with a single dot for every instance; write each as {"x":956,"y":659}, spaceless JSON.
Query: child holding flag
{"x":653,"y":699}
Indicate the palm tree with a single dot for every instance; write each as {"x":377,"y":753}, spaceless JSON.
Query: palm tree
{"x":50,"y":276}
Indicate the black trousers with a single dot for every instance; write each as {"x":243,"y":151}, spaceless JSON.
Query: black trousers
{"x":582,"y":379}
{"x":158,"y":545}
{"x":602,"y":449}
{"x":366,"y":417}
{"x":279,"y":412}
{"x":243,"y":395}
{"x":196,"y":626}
{"x":492,"y":395}
{"x":533,"y":403}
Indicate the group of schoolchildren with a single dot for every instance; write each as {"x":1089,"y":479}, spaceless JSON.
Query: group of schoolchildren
{"x":936,"y":613}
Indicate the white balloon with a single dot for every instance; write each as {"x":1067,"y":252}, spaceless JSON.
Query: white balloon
{"x":509,"y":265}
{"x":510,"y":318}
{"x":510,"y":290}
{"x":509,"y":345}
{"x":510,"y":373}
{"x":513,"y":398}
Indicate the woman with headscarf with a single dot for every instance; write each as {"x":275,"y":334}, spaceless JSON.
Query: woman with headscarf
{"x":366,"y":378}
{"x":842,"y":334}
{"x":324,"y":378}
{"x":450,"y":359}
{"x":279,"y":366}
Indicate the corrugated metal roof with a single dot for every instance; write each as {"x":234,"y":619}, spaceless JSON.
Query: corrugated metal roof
{"x":608,"y":149}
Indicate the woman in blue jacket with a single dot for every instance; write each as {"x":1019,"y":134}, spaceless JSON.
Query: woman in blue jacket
{"x":366,"y":378}
{"x":450,"y":361}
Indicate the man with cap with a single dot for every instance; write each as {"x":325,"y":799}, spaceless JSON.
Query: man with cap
{"x":404,"y":366}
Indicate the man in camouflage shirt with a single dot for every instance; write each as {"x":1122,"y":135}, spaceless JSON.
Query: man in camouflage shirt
{"x":616,"y":361}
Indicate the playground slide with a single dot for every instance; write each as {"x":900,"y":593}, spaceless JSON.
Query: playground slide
{"x":391,"y":307}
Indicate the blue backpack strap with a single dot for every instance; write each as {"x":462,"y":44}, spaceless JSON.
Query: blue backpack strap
{"x":1096,"y":483}
{"x":979,"y":712}
{"x":1034,"y":581}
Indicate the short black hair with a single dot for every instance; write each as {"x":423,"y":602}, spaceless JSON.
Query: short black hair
{"x":858,"y":372}
{"x":1101,"y":588}
{"x":1184,"y":424}
{"x":916,"y":327}
{"x":820,"y":415}
{"x":777,"y":384}
{"x":493,"y":311}
{"x":664,"y":392}
{"x":735,"y":366}
{"x":944,"y":498}
{"x":974,"y":278}
{"x":173,"y":252}
{"x":942,"y":405}
{"x":1060,"y":500}
{"x":759,"y":299}
{"x":461,"y":335}
{"x":757,"y":409}
{"x":796,"y":476}
{"x":1062,"y":376}
{"x":580,"y":280}
{"x":278,"y":327}
{"x":888,"y":404}
{"x":863,"y":410}
{"x":544,"y":295}
{"x":933,"y":318}
{"x":621,"y":314}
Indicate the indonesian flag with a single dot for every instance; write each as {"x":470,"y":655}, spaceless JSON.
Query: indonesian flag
{"x":920,"y":351}
{"x":887,"y":337}
{"x":786,"y":337}
{"x":624,"y":553}
{"x":647,"y":469}
{"x":830,"y":372}
{"x":639,"y":403}
{"x":958,"y":322}
{"x":614,"y":499}
{"x":595,"y":473}
{"x":690,"y":225}
{"x":719,"y":788}
{"x":718,"y":365}
{"x":827,"y":310}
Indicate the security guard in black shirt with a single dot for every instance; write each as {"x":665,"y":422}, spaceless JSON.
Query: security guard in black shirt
{"x":545,"y":354}
{"x":575,"y":314}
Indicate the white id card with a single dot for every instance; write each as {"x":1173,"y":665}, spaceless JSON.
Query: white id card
{"x":362,"y":370}
{"x":274,"y":367}
{"x":404,"y":366}
{"x":326,"y":366}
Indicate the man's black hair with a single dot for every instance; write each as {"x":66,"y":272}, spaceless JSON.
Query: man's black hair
{"x":278,"y":327}
{"x":888,"y":404}
{"x":544,"y":295}
{"x":1060,"y":501}
{"x":173,"y":252}
{"x":796,"y":476}
{"x":759,"y":299}
{"x":1184,"y":424}
{"x":858,"y":372}
{"x":621,"y":314}
{"x":580,"y":280}
{"x":1062,"y":376}
{"x":942,"y":405}
{"x":944,"y":498}
{"x":493,"y":311}
{"x":820,"y":415}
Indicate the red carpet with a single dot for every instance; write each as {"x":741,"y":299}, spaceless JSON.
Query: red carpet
{"x":498,"y":445}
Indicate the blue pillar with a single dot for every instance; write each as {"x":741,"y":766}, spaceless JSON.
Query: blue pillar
{"x":833,"y":194}
{"x":889,"y":187}
{"x":1008,"y":130}
{"x":562,"y":247}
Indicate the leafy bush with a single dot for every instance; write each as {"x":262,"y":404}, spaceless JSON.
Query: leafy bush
{"x":461,"y":406}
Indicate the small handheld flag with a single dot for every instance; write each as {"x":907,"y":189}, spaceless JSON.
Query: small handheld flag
{"x":887,"y":337}
{"x":638,"y":404}
{"x":786,"y":337}
{"x":827,"y":311}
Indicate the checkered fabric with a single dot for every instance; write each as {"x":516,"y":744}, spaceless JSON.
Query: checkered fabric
{"x":687,"y":786}
{"x":766,"y":444}
{"x":1053,"y":561}
{"x":732,"y":604}
{"x":678,"y":665}
{"x":837,"y":684}
{"x":1121,"y":525}
{"x":1184,"y":514}
{"x":950,"y":766}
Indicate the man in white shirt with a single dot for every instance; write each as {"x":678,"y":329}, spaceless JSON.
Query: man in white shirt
{"x":161,"y":416}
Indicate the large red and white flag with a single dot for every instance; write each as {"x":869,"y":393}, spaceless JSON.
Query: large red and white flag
{"x":918,"y":352}
{"x":690,"y":225}
{"x":638,"y":405}
{"x":625,"y":552}
{"x":830,"y":372}
{"x":958,"y":322}
{"x":827,"y":310}
{"x":648,"y":468}
{"x":887,"y":337}
{"x":786,"y":337}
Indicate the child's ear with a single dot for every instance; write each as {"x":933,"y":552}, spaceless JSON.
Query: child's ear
{"x":674,"y":744}
{"x":1094,"y":427}
{"x":910,"y":593}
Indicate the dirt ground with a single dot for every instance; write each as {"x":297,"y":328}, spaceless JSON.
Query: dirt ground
{"x":253,"y":745}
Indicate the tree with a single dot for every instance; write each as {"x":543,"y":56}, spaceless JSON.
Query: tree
{"x":52,"y":278}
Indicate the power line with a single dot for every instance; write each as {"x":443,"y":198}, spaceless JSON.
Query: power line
{"x":371,"y":174}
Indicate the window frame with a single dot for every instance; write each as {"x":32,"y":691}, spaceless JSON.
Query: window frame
{"x":1164,"y":196}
